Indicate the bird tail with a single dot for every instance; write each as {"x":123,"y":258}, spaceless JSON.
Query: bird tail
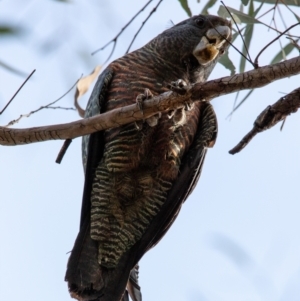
{"x":84,"y":274}
{"x":88,"y":281}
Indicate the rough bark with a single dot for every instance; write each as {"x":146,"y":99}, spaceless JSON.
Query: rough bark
{"x":270,"y":116}
{"x":167,"y":101}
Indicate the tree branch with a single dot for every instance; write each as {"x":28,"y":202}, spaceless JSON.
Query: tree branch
{"x":164,"y":102}
{"x":270,"y":116}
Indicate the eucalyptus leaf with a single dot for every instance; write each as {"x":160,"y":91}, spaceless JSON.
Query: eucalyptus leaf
{"x":245,"y":2}
{"x":241,"y":102}
{"x":185,"y":6}
{"x":223,"y":13}
{"x":258,"y":9}
{"x":12,"y":69}
{"x":208,"y":5}
{"x":287,"y":2}
{"x":244,"y":18}
{"x":9,"y":30}
{"x":227,"y":63}
{"x":247,"y":38}
{"x":281,"y":55}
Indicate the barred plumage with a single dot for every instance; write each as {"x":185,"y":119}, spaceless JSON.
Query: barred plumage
{"x":138,"y":175}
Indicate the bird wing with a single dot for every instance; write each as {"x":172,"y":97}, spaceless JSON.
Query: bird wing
{"x":83,"y":267}
{"x":85,"y":277}
{"x":190,"y":170}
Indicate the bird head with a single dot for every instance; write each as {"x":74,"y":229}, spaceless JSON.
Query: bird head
{"x":199,"y":40}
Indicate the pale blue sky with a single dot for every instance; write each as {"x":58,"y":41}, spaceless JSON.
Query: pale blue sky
{"x":237,"y":235}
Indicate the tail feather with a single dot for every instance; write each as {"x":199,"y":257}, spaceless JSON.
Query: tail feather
{"x":84,"y":275}
{"x":89,"y":281}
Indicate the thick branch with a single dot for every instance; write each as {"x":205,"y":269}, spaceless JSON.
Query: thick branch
{"x":164,"y":102}
{"x":270,"y":116}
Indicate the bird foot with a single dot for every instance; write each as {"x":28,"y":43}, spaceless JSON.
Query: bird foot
{"x":142,"y":97}
{"x":179,"y":86}
{"x":189,"y":105}
{"x":153,"y":120}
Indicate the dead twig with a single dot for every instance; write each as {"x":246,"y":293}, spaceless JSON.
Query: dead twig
{"x":143,"y":23}
{"x":256,"y":59}
{"x":114,"y":40}
{"x":270,"y":116}
{"x":244,"y":43}
{"x":48,"y":106}
{"x":17,"y":91}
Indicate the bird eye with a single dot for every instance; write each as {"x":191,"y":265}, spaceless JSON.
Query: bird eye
{"x":200,"y":22}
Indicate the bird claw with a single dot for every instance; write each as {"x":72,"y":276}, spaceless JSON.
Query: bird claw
{"x":179,"y":86}
{"x":142,"y":97}
{"x":153,"y":120}
{"x":189,"y":105}
{"x":170,"y":113}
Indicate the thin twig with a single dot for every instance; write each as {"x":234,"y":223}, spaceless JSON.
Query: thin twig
{"x":273,"y":17}
{"x":143,"y":23}
{"x":61,"y":108}
{"x":295,"y":43}
{"x":256,"y":59}
{"x":270,"y":27}
{"x":280,"y":44}
{"x":229,"y":42}
{"x":114,"y":40}
{"x":265,"y":13}
{"x":48,"y":106}
{"x":18,"y":91}
{"x":296,"y":16}
{"x":281,"y":17}
{"x":249,"y":58}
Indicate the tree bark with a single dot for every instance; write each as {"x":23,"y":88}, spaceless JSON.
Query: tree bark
{"x":167,"y":101}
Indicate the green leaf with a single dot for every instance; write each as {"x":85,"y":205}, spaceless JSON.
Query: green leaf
{"x":258,"y":9}
{"x":247,"y":37}
{"x":223,"y":13}
{"x":185,"y":6}
{"x":240,"y":103}
{"x":12,"y":69}
{"x":287,"y":2}
{"x":235,"y":35}
{"x":9,"y":30}
{"x":245,"y":2}
{"x":208,"y":5}
{"x":227,"y":63}
{"x":281,"y":55}
{"x":248,"y":19}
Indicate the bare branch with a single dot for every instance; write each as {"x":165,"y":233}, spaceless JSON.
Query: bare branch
{"x":48,"y":106}
{"x":17,"y":91}
{"x":114,"y":40}
{"x":143,"y":23}
{"x":271,"y":116}
{"x":256,"y":59}
{"x":164,"y":102}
